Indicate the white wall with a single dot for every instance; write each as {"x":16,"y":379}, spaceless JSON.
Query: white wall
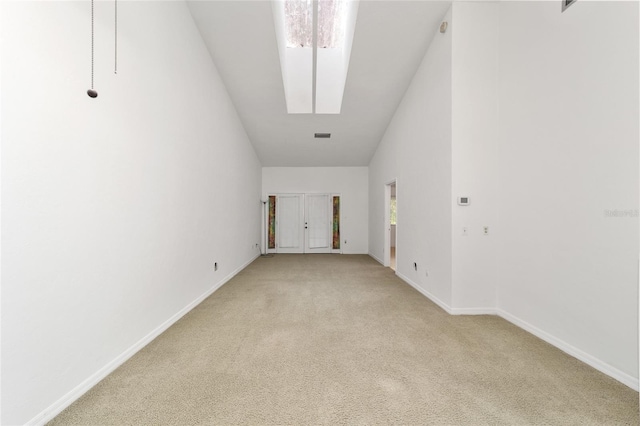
{"x":544,"y":136}
{"x":416,"y":150}
{"x":568,"y":148}
{"x":113,"y":209}
{"x":475,"y":29}
{"x":351,"y":182}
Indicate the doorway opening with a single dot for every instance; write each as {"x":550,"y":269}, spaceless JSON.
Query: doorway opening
{"x":391,"y":223}
{"x":303,"y":223}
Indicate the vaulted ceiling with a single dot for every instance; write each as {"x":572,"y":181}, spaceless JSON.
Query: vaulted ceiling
{"x":391,"y":38}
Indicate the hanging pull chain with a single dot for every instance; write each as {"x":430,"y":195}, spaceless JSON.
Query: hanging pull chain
{"x":92,"y":93}
{"x":115,"y":66}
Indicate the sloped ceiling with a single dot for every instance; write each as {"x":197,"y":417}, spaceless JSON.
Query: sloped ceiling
{"x":391,"y":38}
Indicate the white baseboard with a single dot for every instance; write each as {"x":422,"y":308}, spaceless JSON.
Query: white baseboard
{"x":425,"y":293}
{"x":590,"y":360}
{"x":57,"y":407}
{"x":377,"y":259}
{"x":473,"y":311}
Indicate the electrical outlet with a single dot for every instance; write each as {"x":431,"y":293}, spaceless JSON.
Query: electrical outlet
{"x":486,"y":230}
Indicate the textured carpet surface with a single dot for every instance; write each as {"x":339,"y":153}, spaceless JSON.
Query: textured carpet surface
{"x":331,"y":339}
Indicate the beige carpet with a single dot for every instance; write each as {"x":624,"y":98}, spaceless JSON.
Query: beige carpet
{"x":330,"y":339}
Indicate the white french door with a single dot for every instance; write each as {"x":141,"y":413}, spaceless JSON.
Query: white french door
{"x":304,"y":223}
{"x":290,"y":223}
{"x":317,"y":223}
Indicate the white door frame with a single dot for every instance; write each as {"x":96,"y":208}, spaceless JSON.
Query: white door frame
{"x":387,"y":223}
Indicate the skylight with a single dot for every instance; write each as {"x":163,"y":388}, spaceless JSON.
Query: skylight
{"x":314,"y":40}
{"x":298,"y":18}
{"x":332,"y":16}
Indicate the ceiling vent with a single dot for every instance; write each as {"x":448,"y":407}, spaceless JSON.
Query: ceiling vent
{"x":322,"y":135}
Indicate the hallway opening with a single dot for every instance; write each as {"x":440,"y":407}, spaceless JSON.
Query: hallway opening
{"x":390,"y":225}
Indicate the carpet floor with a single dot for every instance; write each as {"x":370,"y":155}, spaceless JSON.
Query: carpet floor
{"x":340,"y":340}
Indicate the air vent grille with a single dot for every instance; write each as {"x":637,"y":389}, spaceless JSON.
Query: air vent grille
{"x":322,"y":135}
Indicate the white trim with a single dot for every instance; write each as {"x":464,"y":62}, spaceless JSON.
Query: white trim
{"x":57,"y":407}
{"x":376,"y":258}
{"x":473,"y":311}
{"x":425,"y":293}
{"x":590,"y":360}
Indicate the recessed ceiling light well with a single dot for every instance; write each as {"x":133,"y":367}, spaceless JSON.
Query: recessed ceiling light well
{"x":322,"y":135}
